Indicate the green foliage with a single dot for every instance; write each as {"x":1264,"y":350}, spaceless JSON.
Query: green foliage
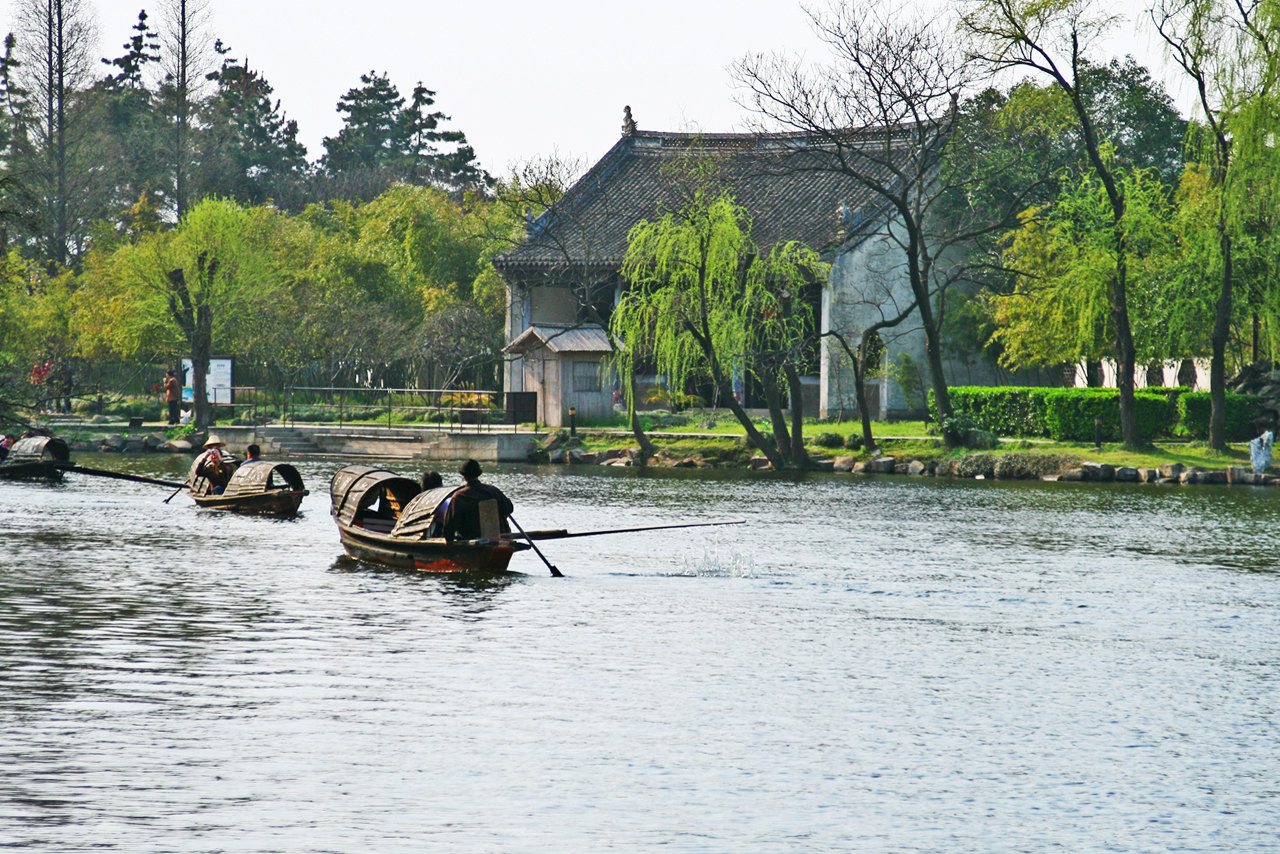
{"x":1003,"y":410}
{"x":385,"y":140}
{"x":853,"y":442}
{"x":1066,"y":259}
{"x":1064,"y":415}
{"x":1242,"y":413}
{"x":704,"y":301}
{"x":828,"y":440}
{"x":1070,"y":414}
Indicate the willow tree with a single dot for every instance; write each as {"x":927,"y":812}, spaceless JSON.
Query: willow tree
{"x":182,"y":291}
{"x":703,"y":301}
{"x":1052,"y":38}
{"x":1064,"y":257}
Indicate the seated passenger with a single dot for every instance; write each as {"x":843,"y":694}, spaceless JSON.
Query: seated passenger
{"x":462,"y":516}
{"x":214,"y":465}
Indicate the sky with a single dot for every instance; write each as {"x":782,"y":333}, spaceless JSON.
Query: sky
{"x":521,"y":79}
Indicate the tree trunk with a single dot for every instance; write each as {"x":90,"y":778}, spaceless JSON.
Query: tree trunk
{"x":200,"y":350}
{"x":1125,"y":357}
{"x":933,"y":350}
{"x":799,"y":456}
{"x":1218,"y":363}
{"x":781,"y":436}
{"x":647,"y":448}
{"x":860,"y":395}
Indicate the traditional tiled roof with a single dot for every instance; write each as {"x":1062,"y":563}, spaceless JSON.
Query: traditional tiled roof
{"x":783,"y":180}
{"x":581,"y":338}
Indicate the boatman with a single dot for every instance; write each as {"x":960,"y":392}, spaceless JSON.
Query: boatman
{"x":462,"y":517}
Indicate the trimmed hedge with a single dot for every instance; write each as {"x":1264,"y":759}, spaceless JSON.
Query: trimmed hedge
{"x":1003,"y":410}
{"x":1242,"y":410}
{"x":1070,"y":414}
{"x":1062,"y":414}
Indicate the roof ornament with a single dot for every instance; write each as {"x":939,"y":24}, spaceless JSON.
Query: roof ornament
{"x":846,"y":216}
{"x":528,"y":218}
{"x":628,"y":123}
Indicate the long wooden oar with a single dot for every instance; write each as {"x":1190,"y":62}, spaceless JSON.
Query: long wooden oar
{"x":555,"y":573}
{"x":560,"y":534}
{"x":119,"y":476}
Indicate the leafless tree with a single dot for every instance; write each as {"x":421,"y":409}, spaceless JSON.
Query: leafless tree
{"x":881,"y":112}
{"x":56,"y":44}
{"x":186,"y":58}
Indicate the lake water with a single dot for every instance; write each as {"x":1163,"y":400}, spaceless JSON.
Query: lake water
{"x":867,"y":665}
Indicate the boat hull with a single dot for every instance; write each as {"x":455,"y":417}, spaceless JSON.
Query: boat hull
{"x":277,"y":502}
{"x":47,"y":471}
{"x":433,"y":555}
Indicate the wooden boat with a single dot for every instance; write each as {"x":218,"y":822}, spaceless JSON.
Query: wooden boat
{"x":274,"y":489}
{"x":385,"y":518}
{"x":36,"y":458}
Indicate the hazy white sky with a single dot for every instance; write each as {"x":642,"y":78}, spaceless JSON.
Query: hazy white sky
{"x":520,"y":78}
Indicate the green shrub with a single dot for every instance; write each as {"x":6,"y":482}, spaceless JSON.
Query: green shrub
{"x":853,"y":442}
{"x":1194,"y":409}
{"x":1070,"y":414}
{"x":828,"y":440}
{"x":979,"y":440}
{"x":1003,"y":410}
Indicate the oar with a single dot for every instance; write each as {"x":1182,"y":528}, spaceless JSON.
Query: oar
{"x":564,"y":535}
{"x":555,"y":573}
{"x":175,"y":492}
{"x":119,"y":476}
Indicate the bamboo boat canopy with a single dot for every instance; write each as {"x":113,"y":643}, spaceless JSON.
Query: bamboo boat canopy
{"x":38,"y":449}
{"x":419,"y":514}
{"x":355,"y":490}
{"x":254,"y":478}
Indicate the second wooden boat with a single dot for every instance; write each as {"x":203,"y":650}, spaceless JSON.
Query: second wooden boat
{"x":274,"y":489}
{"x":36,"y":458}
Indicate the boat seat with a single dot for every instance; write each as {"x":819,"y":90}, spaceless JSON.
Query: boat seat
{"x":376,"y":524}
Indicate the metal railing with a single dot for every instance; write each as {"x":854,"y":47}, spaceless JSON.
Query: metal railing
{"x":436,"y":407}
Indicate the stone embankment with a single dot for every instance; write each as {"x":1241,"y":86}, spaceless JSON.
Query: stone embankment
{"x":1018,"y":466}
{"x":146,"y":443}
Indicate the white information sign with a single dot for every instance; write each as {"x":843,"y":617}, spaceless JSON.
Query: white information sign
{"x":217,"y":383}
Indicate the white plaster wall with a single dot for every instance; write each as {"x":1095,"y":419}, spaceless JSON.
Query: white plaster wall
{"x":868,"y":282}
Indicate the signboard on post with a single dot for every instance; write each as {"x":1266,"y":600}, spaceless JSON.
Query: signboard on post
{"x":217,"y":383}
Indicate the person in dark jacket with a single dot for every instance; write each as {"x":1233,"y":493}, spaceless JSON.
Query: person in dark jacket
{"x":462,"y":517}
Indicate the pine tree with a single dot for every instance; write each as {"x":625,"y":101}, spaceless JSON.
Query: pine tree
{"x":249,"y":151}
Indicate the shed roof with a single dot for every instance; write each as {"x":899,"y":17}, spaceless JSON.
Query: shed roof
{"x":783,"y":180}
{"x":579,"y":338}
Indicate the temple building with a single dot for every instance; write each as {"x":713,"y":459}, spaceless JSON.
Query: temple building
{"x":563,"y":281}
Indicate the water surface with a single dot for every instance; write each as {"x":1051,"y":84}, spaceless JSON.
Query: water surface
{"x":880,"y":665}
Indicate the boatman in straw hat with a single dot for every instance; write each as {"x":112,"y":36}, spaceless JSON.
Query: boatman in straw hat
{"x":462,"y":516}
{"x":214,"y":465}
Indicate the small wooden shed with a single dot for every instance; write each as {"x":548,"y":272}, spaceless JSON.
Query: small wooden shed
{"x":568,"y":366}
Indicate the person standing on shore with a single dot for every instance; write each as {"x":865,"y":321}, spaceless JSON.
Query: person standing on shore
{"x":172,"y":395}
